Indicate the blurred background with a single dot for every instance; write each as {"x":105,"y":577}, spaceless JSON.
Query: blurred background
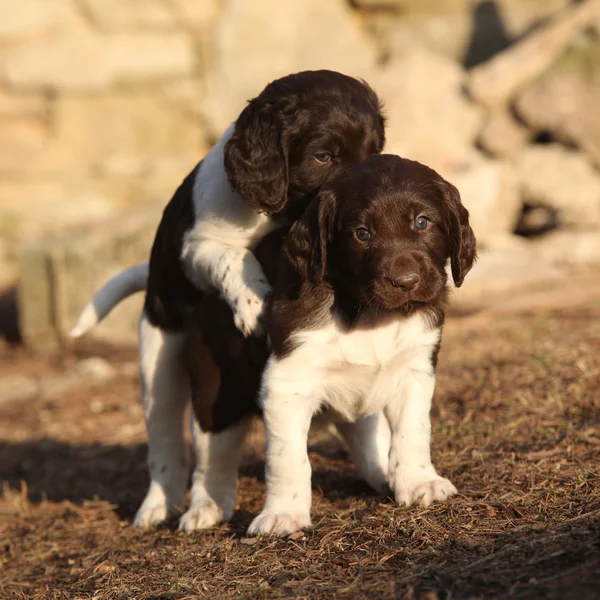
{"x":105,"y":105}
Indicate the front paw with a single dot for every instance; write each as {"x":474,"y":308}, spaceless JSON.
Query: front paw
{"x":249,"y":310}
{"x":279,"y":524}
{"x":203,"y":516}
{"x":423,"y":492}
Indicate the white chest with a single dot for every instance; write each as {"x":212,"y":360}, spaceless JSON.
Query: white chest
{"x":355,"y":373}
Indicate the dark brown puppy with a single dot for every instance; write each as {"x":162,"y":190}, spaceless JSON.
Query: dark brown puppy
{"x":361,"y":274}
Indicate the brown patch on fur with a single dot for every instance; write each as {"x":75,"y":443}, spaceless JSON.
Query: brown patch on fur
{"x":170,"y":294}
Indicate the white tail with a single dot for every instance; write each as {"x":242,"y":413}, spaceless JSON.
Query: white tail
{"x":127,"y":282}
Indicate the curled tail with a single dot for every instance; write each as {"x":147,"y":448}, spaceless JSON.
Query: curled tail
{"x":128,"y":282}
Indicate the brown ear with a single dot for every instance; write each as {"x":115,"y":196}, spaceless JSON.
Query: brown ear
{"x":256,"y":159}
{"x":307,"y":242}
{"x":463,"y":246}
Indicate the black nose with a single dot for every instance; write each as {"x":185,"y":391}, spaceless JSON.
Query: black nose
{"x":406,"y":282}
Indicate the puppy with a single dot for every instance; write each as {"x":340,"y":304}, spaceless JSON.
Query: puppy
{"x":299,"y":133}
{"x":355,"y":321}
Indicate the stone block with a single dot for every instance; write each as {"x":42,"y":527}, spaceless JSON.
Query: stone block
{"x":503,"y":136}
{"x":59,"y":276}
{"x":29,"y":104}
{"x":197,"y":15}
{"x":125,"y":127}
{"x":22,"y":141}
{"x":26,"y":18}
{"x":429,"y":119}
{"x":565,"y":103}
{"x":499,"y":274}
{"x":74,"y":61}
{"x":32,"y":208}
{"x":561,"y":179}
{"x":142,"y":56}
{"x":488,"y":189}
{"x":569,"y":248}
{"x":253,"y":43}
{"x":111,"y":15}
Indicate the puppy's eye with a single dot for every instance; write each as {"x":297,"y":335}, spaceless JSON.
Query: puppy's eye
{"x":323,"y":157}
{"x":364,"y":235}
{"x":422,"y":223}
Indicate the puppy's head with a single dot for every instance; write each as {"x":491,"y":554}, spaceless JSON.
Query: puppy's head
{"x":382,"y":233}
{"x":298,"y":134}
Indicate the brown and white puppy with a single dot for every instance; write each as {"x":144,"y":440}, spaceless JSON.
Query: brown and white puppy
{"x":299,"y":133}
{"x":355,"y":321}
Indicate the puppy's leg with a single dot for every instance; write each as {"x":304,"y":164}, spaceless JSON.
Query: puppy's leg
{"x":368,"y":440}
{"x":165,"y":391}
{"x":412,"y":475}
{"x":236,"y":274}
{"x":215,"y":479}
{"x":287,"y":421}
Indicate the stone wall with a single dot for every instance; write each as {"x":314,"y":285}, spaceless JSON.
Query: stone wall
{"x":106,"y":104}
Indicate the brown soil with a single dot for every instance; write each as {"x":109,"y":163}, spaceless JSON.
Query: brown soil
{"x":516,"y":427}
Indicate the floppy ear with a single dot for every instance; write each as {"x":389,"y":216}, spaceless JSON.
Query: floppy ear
{"x":307,"y":241}
{"x":463,"y":246}
{"x":256,"y":159}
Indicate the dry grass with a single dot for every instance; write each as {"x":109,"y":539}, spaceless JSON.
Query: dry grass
{"x":516,"y":428}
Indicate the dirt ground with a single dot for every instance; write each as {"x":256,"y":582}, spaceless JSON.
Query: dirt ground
{"x":516,"y":427}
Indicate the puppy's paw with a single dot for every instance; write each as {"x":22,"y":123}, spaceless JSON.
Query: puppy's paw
{"x":278,"y":524}
{"x":202,"y":516}
{"x":249,"y":309}
{"x":424,"y":492}
{"x":150,"y":515}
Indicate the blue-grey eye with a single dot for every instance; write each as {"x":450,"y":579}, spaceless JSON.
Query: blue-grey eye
{"x":422,"y":223}
{"x":364,"y":235}
{"x":323,"y":157}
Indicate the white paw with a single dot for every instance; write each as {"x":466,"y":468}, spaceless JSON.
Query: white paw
{"x":425,"y":492}
{"x":150,"y":515}
{"x":249,"y":307}
{"x":278,"y":524}
{"x":202,"y":516}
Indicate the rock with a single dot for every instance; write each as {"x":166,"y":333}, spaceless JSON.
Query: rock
{"x":536,"y":220}
{"x":489,"y":191}
{"x":110,"y":15}
{"x":569,"y":248}
{"x":284,"y":36}
{"x":95,"y":368}
{"x":429,"y":119}
{"x":566,"y":105}
{"x":197,"y":15}
{"x":186,"y":94}
{"x":141,"y":129}
{"x":18,"y":388}
{"x":75,"y":61}
{"x":461,"y":29}
{"x":37,"y":214}
{"x":20,"y":105}
{"x":562,"y":179}
{"x":497,"y":274}
{"x":25,"y":18}
{"x":446,"y":32}
{"x":494,"y":82}
{"x":149,"y":56}
{"x":82,"y":61}
{"x":8,"y":268}
{"x":59,"y":276}
{"x":22,"y":141}
{"x":503,"y":136}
